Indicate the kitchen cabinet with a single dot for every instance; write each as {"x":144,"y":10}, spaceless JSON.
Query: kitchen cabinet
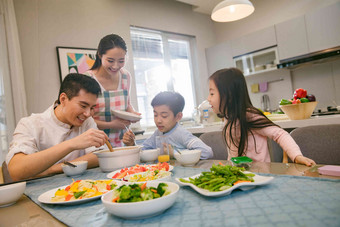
{"x":219,"y":57}
{"x":291,"y":38}
{"x":322,"y":26}
{"x":254,"y":41}
{"x":257,"y":62}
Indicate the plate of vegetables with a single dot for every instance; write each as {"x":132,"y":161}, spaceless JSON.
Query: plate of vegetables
{"x":222,"y":180}
{"x":121,"y":173}
{"x":79,"y":191}
{"x":149,"y":175}
{"x":139,"y":201}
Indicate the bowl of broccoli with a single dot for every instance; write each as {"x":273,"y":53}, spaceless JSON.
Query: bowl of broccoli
{"x":140,"y":200}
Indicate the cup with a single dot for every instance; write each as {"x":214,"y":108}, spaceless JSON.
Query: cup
{"x":164,"y":149}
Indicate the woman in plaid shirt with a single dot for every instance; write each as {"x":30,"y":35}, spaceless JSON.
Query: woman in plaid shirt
{"x":115,"y":84}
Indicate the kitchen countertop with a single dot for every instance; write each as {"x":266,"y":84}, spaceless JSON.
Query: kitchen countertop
{"x":286,"y":124}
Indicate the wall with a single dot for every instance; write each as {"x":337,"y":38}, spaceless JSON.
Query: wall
{"x":45,"y":24}
{"x":267,"y":13}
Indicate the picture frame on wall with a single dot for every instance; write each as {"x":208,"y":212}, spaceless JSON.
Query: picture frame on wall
{"x":74,"y":60}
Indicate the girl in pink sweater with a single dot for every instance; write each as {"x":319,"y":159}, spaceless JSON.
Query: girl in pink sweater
{"x":247,"y":128}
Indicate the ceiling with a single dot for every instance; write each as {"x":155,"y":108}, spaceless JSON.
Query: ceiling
{"x":201,"y":6}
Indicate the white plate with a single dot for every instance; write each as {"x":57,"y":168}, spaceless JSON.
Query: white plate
{"x":258,"y":180}
{"x":110,"y":175}
{"x":47,"y":196}
{"x":126,"y":115}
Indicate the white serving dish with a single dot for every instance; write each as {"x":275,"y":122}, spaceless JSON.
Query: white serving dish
{"x":188,"y":157}
{"x":11,"y":193}
{"x":144,"y":209}
{"x":150,"y":155}
{"x":258,"y":180}
{"x":121,"y":157}
{"x":75,"y":171}
{"x":133,"y":178}
{"x":126,"y":115}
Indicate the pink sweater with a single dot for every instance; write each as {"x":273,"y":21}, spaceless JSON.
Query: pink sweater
{"x":275,"y":133}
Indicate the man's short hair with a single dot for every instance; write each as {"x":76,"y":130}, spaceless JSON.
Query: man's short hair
{"x":74,"y":82}
{"x":174,"y":100}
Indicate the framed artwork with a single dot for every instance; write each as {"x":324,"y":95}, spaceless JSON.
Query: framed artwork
{"x":74,"y":60}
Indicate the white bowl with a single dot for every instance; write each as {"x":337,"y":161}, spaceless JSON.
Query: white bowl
{"x":188,"y":157}
{"x":149,"y":155}
{"x":74,"y":171}
{"x":11,"y":193}
{"x":121,"y":157}
{"x":144,"y":209}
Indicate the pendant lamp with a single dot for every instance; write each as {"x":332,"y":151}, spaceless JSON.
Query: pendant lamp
{"x":231,"y":10}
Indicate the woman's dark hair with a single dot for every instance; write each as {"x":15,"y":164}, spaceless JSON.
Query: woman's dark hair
{"x":173,"y":100}
{"x":234,"y":105}
{"x":74,"y":82}
{"x":105,"y":44}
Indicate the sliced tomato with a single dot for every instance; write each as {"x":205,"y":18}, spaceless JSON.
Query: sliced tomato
{"x":68,"y":197}
{"x":67,"y":188}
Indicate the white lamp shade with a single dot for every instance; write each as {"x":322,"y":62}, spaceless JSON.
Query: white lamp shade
{"x":231,"y":10}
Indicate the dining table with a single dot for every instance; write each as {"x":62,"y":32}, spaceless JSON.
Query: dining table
{"x":297,"y":196}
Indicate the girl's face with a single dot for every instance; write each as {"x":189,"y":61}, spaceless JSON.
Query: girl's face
{"x":214,"y":97}
{"x":113,"y":60}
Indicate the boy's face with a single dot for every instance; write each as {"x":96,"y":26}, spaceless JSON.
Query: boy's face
{"x":164,"y":118}
{"x":76,"y":110}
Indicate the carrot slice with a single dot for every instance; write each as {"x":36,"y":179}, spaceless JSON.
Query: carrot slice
{"x":143,"y":186}
{"x":241,"y":181}
{"x":154,"y":190}
{"x":220,"y":163}
{"x":68,"y":197}
{"x":115,"y":199}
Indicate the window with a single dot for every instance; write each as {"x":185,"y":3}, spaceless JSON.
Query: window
{"x":162,"y":62}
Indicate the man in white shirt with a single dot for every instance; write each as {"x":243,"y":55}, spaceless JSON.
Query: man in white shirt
{"x":66,"y":131}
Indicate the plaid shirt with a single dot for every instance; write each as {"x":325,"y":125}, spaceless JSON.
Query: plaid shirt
{"x":113,"y":100}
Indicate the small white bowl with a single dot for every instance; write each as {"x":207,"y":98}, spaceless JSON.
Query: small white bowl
{"x":149,"y":155}
{"x":188,"y":157}
{"x":144,"y":209}
{"x":74,"y":171}
{"x":11,"y":193}
{"x":119,"y":158}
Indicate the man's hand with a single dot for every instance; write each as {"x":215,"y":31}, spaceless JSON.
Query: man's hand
{"x":92,"y":137}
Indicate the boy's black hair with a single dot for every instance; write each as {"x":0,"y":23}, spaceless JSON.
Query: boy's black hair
{"x":74,"y":82}
{"x":174,"y":100}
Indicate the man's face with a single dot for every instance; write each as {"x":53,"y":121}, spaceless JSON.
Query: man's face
{"x":164,"y":118}
{"x":76,"y":110}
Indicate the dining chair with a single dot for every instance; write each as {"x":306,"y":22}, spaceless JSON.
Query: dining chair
{"x":320,"y":143}
{"x":217,"y":144}
{"x":276,"y":152}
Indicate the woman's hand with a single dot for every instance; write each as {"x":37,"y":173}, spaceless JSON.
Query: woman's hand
{"x":304,"y":160}
{"x":119,"y":123}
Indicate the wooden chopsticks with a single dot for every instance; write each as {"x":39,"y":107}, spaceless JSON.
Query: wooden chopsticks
{"x":109,"y":145}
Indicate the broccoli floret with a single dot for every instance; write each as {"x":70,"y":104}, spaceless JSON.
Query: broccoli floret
{"x":162,"y":188}
{"x":136,"y":192}
{"x":125,"y":192}
{"x":146,"y":194}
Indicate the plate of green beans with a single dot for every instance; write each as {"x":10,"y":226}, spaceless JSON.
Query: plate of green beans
{"x":222,"y":180}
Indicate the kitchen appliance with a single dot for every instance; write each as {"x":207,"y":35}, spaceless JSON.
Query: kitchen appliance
{"x":322,"y":56}
{"x":330,"y":111}
{"x":265,"y":103}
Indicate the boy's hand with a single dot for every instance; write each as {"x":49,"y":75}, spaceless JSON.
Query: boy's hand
{"x":129,"y":138}
{"x":303,"y":160}
{"x":92,"y":137}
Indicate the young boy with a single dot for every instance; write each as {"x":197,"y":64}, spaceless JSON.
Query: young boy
{"x":167,"y":108}
{"x":66,"y":131}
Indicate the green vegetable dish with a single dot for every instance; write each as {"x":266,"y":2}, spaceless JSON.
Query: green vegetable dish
{"x":220,"y":178}
{"x":139,"y":192}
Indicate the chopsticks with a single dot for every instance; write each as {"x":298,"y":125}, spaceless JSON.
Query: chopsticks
{"x":70,"y":164}
{"x":134,"y":139}
{"x":109,"y":145}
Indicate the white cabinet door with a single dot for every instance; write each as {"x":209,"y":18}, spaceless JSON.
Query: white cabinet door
{"x":291,"y":38}
{"x":255,"y":41}
{"x":323,"y":28}
{"x":219,"y":57}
